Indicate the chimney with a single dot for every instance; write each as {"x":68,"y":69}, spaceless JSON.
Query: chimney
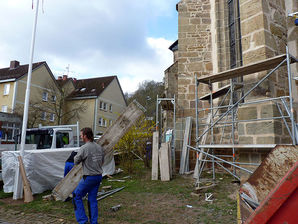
{"x":14,"y":64}
{"x":59,"y":77}
{"x":64,"y":77}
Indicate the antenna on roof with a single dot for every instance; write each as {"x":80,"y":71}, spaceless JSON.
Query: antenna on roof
{"x":67,"y":69}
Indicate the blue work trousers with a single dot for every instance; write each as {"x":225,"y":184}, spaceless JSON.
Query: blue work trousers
{"x":90,"y":185}
{"x":68,"y":167}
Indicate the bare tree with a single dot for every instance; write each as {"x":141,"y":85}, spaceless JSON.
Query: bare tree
{"x":56,"y":104}
{"x":34,"y":113}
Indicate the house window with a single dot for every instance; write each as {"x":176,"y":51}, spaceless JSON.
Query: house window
{"x":45,"y":96}
{"x":43,"y":115}
{"x":103,"y":105}
{"x":100,"y":121}
{"x":52,"y":117}
{"x":110,"y":108}
{"x":6,"y":89}
{"x":4,"y":109}
{"x":53,"y":98}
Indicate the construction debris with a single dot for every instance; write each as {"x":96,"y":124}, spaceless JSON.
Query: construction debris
{"x":184,"y":161}
{"x":106,"y":187}
{"x":108,"y":193}
{"x":115,"y":208}
{"x":209,"y":197}
{"x":155,"y":142}
{"x":271,"y":188}
{"x":165,"y":161}
{"x":115,"y":180}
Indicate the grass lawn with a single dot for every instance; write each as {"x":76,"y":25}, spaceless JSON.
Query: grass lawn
{"x":146,"y":201}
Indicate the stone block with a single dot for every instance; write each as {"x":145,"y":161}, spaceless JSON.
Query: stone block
{"x":188,"y":54}
{"x":241,"y":128}
{"x":259,"y":54}
{"x":286,"y":140}
{"x":267,"y":140}
{"x":258,"y":38}
{"x":279,"y":19}
{"x":181,"y":96}
{"x":188,"y":41}
{"x":195,"y":67}
{"x":246,"y":140}
{"x":190,"y":96}
{"x":247,"y":113}
{"x":206,"y":21}
{"x":268,"y":111}
{"x":250,"y":8}
{"x":209,"y":66}
{"x":191,"y":89}
{"x":254,"y":24}
{"x":183,"y":81}
{"x":277,"y":30}
{"x":266,"y":127}
{"x":195,"y":21}
{"x":246,"y":42}
{"x":182,"y":21}
{"x":187,"y":28}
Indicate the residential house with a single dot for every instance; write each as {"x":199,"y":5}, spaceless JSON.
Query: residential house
{"x":103,"y":100}
{"x":43,"y":90}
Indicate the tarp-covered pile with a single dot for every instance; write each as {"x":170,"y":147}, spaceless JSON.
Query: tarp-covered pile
{"x":44,"y":168}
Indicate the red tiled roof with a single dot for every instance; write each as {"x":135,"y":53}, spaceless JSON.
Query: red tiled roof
{"x":92,"y":87}
{"x":62,"y":82}
{"x":18,"y":72}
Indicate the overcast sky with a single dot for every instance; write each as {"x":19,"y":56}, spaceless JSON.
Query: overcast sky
{"x":127,"y":38}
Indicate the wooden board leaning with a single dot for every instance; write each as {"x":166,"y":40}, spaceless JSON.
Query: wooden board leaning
{"x":109,"y":139}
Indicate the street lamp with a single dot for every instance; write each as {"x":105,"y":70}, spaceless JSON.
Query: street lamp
{"x":148,"y":98}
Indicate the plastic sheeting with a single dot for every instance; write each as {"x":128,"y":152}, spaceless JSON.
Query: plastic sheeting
{"x":44,"y":168}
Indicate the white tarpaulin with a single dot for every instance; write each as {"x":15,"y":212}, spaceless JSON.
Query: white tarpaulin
{"x":44,"y":168}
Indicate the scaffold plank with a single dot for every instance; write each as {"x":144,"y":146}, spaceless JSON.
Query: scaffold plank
{"x":246,"y":70}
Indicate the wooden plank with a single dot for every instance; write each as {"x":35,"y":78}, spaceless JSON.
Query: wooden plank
{"x":109,"y":139}
{"x":170,"y":159}
{"x":164,"y":162}
{"x":28,"y":197}
{"x":184,"y":157}
{"x":245,"y":70}
{"x":155,"y":141}
{"x":64,"y":188}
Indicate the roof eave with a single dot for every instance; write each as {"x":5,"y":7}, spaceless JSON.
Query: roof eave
{"x":8,"y":80}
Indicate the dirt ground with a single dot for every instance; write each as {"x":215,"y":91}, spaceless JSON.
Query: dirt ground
{"x":142,"y":201}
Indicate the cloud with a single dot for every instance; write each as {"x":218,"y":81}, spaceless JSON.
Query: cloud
{"x":97,"y":38}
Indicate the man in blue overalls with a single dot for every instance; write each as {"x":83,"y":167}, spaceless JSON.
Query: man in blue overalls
{"x":91,"y":155}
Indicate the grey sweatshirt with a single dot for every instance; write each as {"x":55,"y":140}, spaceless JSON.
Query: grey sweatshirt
{"x":92,"y":157}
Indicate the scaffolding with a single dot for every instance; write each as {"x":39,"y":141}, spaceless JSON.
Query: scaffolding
{"x":228,"y":118}
{"x":168,"y":104}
